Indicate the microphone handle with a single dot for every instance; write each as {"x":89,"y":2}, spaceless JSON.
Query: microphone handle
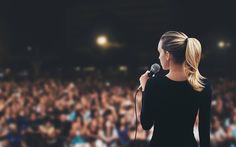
{"x":150,"y":74}
{"x":140,"y":88}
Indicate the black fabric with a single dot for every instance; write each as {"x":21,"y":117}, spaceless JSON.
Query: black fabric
{"x":172,"y":106}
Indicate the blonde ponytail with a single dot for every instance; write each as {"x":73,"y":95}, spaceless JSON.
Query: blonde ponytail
{"x":193,"y":56}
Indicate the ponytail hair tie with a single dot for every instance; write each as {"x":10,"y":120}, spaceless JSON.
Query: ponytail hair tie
{"x":186,"y":40}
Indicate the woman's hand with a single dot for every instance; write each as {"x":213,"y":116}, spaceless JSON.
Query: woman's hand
{"x":143,"y":79}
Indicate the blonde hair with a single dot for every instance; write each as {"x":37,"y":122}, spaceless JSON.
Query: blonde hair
{"x":185,"y":51}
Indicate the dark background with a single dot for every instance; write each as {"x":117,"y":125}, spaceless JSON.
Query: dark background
{"x":49,"y":34}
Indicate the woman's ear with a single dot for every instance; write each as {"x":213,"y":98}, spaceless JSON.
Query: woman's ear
{"x":167,"y":56}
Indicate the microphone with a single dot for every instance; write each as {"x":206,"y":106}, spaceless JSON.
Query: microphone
{"x":155,"y":68}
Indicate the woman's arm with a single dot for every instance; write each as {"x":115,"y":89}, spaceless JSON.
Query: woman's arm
{"x":146,"y":118}
{"x":204,"y":117}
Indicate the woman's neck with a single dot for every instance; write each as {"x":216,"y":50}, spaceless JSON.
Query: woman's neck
{"x":177,"y":72}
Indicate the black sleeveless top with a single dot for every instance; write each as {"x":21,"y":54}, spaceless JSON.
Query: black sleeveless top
{"x":171,"y":106}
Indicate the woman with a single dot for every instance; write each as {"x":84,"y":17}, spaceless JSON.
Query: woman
{"x":171,"y":102}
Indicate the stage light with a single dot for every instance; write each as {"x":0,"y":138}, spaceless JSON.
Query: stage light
{"x":123,"y":68}
{"x":102,"y":40}
{"x":221,"y":44}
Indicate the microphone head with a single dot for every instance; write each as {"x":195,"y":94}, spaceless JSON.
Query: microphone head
{"x":155,"y":68}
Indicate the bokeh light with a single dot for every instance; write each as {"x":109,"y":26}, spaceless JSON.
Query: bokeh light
{"x":102,"y":40}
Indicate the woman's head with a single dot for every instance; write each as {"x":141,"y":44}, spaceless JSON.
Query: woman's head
{"x":176,"y":48}
{"x":171,"y":47}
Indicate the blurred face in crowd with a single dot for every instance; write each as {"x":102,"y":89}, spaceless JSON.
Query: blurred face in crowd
{"x":122,"y":120}
{"x":13,"y":127}
{"x":94,"y":124}
{"x":219,"y":106}
{"x":234,"y":115}
{"x":33,"y":116}
{"x":216,"y":123}
{"x":63,"y":118}
{"x":108,"y":124}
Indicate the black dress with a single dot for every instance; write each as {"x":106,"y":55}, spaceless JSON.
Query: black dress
{"x":172,"y":106}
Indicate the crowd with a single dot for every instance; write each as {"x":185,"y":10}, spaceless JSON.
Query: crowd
{"x":92,"y":112}
{"x":223,"y":120}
